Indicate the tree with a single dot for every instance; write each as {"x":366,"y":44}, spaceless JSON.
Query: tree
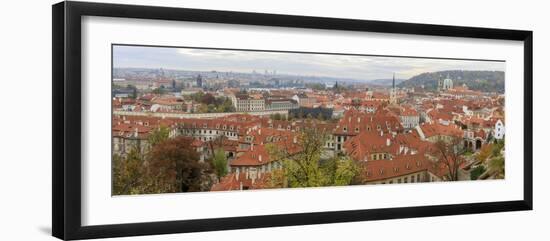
{"x":306,"y":168}
{"x":345,"y":173}
{"x":208,"y":99}
{"x":128,"y":173}
{"x":449,"y":153}
{"x":320,"y":116}
{"x":496,"y":165}
{"x":484,"y":152}
{"x":176,"y":167}
{"x":476,"y":172}
{"x":158,"y":135}
{"x":219,"y":162}
{"x":276,"y":116}
{"x":158,"y":91}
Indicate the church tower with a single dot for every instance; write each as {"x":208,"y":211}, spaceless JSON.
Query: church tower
{"x":393,"y":92}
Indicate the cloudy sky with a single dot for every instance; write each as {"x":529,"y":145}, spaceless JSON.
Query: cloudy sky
{"x":342,"y":66}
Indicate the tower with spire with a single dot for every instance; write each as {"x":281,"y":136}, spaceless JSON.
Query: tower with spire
{"x":393,"y":92}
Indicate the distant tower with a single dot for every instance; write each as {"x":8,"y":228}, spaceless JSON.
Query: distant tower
{"x":199,"y":81}
{"x":393,"y":92}
{"x":439,"y":84}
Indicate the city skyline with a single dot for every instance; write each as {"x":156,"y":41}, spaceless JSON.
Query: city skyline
{"x":320,"y":65}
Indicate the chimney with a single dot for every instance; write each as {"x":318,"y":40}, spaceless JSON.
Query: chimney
{"x":246,"y":176}
{"x":260,"y":158}
{"x":381,"y":133}
{"x":136,"y":132}
{"x":252,"y":146}
{"x":241,"y":186}
{"x":295,"y":139}
{"x":388,"y":141}
{"x":237,"y":173}
{"x":358,"y":119}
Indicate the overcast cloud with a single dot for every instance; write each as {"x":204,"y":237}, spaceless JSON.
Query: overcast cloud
{"x":342,"y":66}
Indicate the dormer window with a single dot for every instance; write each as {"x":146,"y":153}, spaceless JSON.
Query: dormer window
{"x":345,"y":129}
{"x":356,"y":129}
{"x":204,"y":125}
{"x":224,"y":127}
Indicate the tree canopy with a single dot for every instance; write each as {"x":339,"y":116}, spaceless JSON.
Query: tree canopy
{"x":177,"y":167}
{"x":307,"y":168}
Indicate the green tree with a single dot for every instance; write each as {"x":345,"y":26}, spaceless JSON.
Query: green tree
{"x":496,"y":165}
{"x":128,"y":173}
{"x":276,"y":116}
{"x":158,"y":91}
{"x":219,"y":162}
{"x":158,"y":135}
{"x":345,"y":172}
{"x":307,"y":169}
{"x":476,"y":172}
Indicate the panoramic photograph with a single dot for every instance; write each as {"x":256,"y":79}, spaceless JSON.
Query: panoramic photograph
{"x":189,"y":119}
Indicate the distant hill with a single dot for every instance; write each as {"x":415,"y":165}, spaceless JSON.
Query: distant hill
{"x":385,"y":82}
{"x":486,"y":81}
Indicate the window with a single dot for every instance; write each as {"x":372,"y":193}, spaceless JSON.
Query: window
{"x":356,"y":129}
{"x":406,"y":180}
{"x":412,"y":179}
{"x":391,"y":182}
{"x":345,"y":129}
{"x":399,"y":180}
{"x":418,"y":178}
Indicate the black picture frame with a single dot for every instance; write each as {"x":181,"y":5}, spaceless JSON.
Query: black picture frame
{"x":66,"y":127}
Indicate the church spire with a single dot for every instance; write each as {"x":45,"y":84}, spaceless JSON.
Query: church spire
{"x":393,"y":81}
